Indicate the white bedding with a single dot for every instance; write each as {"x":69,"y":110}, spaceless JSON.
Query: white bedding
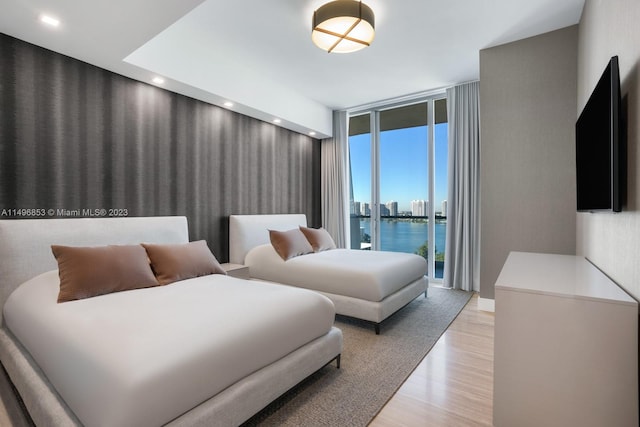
{"x":367,"y":275}
{"x":144,"y":357}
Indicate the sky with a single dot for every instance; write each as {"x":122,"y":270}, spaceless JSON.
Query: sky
{"x":403,"y":166}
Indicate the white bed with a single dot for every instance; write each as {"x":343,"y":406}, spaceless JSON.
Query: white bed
{"x":212,"y":350}
{"x":369,"y":285}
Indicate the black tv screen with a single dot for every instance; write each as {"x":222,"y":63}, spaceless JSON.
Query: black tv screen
{"x":598,"y":146}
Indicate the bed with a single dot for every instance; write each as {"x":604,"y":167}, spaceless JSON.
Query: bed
{"x":210,"y":350}
{"x":368,"y":285}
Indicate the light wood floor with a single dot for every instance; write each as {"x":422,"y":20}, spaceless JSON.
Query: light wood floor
{"x":453,"y":385}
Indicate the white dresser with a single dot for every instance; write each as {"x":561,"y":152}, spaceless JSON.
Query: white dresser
{"x":566,"y":345}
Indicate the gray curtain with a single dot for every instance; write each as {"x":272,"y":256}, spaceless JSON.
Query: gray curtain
{"x":334,"y":190}
{"x":462,"y":251}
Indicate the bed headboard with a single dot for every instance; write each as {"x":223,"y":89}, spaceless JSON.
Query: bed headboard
{"x":25,"y":244}
{"x":248,"y":231}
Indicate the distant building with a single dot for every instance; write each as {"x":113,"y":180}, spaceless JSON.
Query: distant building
{"x":444,"y":208}
{"x":420,"y":207}
{"x":355,"y":208}
{"x":365,"y":210}
{"x":384,"y":211}
{"x":392,"y":206}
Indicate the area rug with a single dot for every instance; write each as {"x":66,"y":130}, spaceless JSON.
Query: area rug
{"x":373,"y":366}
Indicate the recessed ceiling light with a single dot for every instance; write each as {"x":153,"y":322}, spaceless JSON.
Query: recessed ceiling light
{"x":49,"y":20}
{"x":158,"y":80}
{"x":276,"y":120}
{"x":312,"y":133}
{"x":228,"y":104}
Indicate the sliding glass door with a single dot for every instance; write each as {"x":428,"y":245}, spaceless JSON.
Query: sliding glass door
{"x":398,"y":164}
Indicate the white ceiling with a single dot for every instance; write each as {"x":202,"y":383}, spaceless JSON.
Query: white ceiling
{"x":259,"y":55}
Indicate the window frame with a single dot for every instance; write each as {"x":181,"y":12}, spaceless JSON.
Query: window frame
{"x":374,"y":111}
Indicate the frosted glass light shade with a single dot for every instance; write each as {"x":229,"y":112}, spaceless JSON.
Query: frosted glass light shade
{"x":343,"y":26}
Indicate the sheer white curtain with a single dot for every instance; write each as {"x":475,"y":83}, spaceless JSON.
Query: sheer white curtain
{"x":462,"y":251}
{"x":334,"y":190}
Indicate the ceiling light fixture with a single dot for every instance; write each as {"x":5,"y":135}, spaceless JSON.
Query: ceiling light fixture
{"x":343,"y":26}
{"x":228,"y":104}
{"x":277,"y":121}
{"x":158,"y":80}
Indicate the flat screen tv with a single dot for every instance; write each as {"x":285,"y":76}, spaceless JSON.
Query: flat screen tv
{"x":600,"y":159}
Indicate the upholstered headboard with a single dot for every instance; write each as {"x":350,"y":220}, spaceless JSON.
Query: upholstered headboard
{"x":25,"y":244}
{"x":248,"y":231}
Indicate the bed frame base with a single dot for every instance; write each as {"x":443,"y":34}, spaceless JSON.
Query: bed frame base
{"x":229,"y":408}
{"x":374,"y":312}
{"x":376,"y":325}
{"x":377,"y":311}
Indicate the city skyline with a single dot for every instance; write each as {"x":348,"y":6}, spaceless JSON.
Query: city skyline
{"x":390,"y":208}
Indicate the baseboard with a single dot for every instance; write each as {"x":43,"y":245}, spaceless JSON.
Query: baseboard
{"x":486,"y":304}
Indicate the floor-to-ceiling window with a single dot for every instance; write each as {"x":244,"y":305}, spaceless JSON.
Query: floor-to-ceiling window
{"x":398,"y":166}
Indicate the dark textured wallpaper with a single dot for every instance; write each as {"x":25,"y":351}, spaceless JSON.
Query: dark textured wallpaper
{"x":77,"y":140}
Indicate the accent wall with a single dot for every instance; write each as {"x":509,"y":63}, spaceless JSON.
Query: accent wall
{"x":77,"y":140}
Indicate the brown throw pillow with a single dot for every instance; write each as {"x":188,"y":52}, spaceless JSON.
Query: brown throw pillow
{"x":319,"y":238}
{"x":171,"y":263}
{"x":289,"y":243}
{"x":91,"y":271}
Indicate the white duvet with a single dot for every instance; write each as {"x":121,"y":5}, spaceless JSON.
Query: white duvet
{"x":368,"y":275}
{"x":144,"y":357}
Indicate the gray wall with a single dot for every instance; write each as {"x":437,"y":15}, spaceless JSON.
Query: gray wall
{"x":528,"y":113}
{"x":74,"y":136}
{"x":612,"y":241}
